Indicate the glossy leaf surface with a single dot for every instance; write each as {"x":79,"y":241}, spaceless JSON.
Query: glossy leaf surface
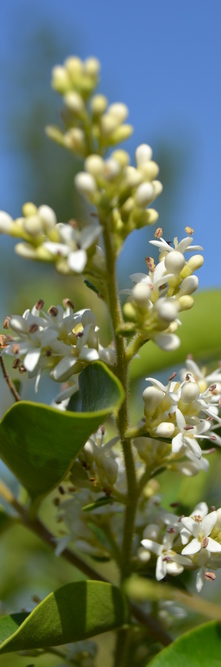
{"x":39,"y":443}
{"x":74,"y":612}
{"x":199,"y":648}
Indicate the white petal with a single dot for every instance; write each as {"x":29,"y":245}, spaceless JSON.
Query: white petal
{"x":89,"y":235}
{"x":192,"y":548}
{"x":31,"y":359}
{"x":167,"y":342}
{"x":77,"y":260}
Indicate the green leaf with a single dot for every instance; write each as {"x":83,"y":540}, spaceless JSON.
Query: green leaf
{"x":200,"y":335}
{"x":74,"y":612}
{"x":198,"y":648}
{"x":39,"y":443}
{"x":105,"y":500}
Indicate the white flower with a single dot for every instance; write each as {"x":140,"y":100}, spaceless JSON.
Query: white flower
{"x":200,"y":528}
{"x":168,"y":561}
{"x":74,"y":244}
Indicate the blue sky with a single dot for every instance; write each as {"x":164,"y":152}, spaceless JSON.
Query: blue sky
{"x":163,"y":60}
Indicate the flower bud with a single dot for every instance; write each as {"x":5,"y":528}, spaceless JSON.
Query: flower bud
{"x":94,"y":164}
{"x":74,"y":102}
{"x":149,"y":170}
{"x":74,"y":66}
{"x":29,"y":209}
{"x":144,"y":194}
{"x":164,"y":430}
{"x":85,"y":183}
{"x":48,"y":217}
{"x":118,"y":111}
{"x":108,"y":124}
{"x":33,"y":225}
{"x":25,"y":250}
{"x":186,"y":302}
{"x":143,"y":154}
{"x":190,"y":392}
{"x":192,"y":265}
{"x":60,"y":79}
{"x":92,"y":66}
{"x":75,"y":140}
{"x":122,"y":157}
{"x":167,"y":309}
{"x":158,"y":188}
{"x":121,"y":133}
{"x":189,"y":285}
{"x":6,"y":223}
{"x":152,"y":397}
{"x":141,"y":294}
{"x":98,"y":104}
{"x":133,"y":177}
{"x":174,"y":262}
{"x":111,"y":168}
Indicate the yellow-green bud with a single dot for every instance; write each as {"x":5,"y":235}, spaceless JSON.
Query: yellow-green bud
{"x":121,"y":133}
{"x":48,"y":217}
{"x":130,"y":312}
{"x":29,"y":209}
{"x":119,"y":111}
{"x":98,"y":104}
{"x":55,"y":134}
{"x":192,"y":265}
{"x":60,"y":79}
{"x":158,"y":188}
{"x":92,"y":67}
{"x":122,"y":157}
{"x":74,"y":102}
{"x":25,"y":250}
{"x":108,"y":124}
{"x":74,"y":66}
{"x":75,"y":140}
{"x":150,"y":170}
{"x":186,"y":302}
{"x":33,"y":225}
{"x":94,"y":164}
{"x":145,"y":217}
{"x":132,"y":177}
{"x":143,"y":154}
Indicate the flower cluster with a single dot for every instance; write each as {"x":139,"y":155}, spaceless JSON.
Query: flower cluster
{"x":91,"y":125}
{"x":45,"y":239}
{"x":120,"y":191}
{"x":200,"y":533}
{"x":182,"y":413}
{"x":60,"y":340}
{"x":158,"y":297}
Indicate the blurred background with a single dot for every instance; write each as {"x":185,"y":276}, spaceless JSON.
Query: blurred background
{"x":163,"y":60}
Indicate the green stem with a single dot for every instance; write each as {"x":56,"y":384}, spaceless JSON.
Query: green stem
{"x":122,"y":417}
{"x":121,"y":648}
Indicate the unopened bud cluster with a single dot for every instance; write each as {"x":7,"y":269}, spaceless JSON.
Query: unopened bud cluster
{"x":121,"y":192}
{"x":91,"y":125}
{"x":157,"y":297}
{"x":45,"y":239}
{"x":61,"y":341}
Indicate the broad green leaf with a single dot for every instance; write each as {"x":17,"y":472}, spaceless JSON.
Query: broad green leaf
{"x":200,"y":335}
{"x":74,"y":612}
{"x":39,"y":443}
{"x":199,"y":648}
